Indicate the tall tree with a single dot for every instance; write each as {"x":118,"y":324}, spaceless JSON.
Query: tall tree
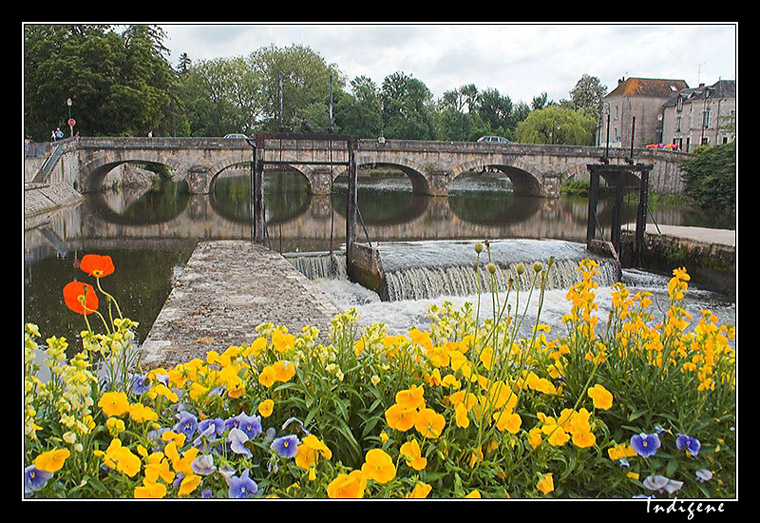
{"x":587,"y":95}
{"x":184,"y":63}
{"x":407,"y":108}
{"x":222,"y":96}
{"x":359,"y":112}
{"x":120,"y":84}
{"x":306,"y":80}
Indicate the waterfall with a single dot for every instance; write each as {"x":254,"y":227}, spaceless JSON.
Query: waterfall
{"x":431,"y":269}
{"x":417,"y":283}
{"x":416,"y":271}
{"x":317,"y":266}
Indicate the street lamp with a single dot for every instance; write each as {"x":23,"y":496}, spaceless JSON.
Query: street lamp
{"x":71,"y":121}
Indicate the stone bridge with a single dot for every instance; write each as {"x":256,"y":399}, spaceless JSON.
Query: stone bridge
{"x":536,"y":170}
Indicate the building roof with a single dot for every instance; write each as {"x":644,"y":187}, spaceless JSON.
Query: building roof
{"x":648,"y":87}
{"x":720,"y":89}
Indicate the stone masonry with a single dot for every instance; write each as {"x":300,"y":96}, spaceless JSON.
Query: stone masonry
{"x":226,"y":290}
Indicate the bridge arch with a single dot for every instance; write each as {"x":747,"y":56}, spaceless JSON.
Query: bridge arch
{"x":95,"y":173}
{"x":417,"y":173}
{"x":524,"y":180}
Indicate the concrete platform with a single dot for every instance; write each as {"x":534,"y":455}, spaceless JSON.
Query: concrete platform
{"x":700,"y":234}
{"x":226,"y":290}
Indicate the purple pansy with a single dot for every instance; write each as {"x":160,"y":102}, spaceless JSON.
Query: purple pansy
{"x":251,"y":425}
{"x":242,"y":487}
{"x":237,"y":440}
{"x":203,"y":465}
{"x":35,"y":479}
{"x":286,"y":446}
{"x":691,"y":444}
{"x":187,"y":424}
{"x":645,"y":444}
{"x":217,"y":424}
{"x":704,"y":475}
{"x":660,"y":483}
{"x":140,"y":384}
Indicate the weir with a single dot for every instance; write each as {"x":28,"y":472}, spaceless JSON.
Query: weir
{"x":420,"y":270}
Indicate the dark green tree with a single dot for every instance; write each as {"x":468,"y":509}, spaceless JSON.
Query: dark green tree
{"x":710,"y":176}
{"x":305,"y":80}
{"x":359,"y":112}
{"x":587,"y":95}
{"x":120,"y":84}
{"x":407,"y":108}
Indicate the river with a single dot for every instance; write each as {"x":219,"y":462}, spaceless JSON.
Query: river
{"x":151,"y":235}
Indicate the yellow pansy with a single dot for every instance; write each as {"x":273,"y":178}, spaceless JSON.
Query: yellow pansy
{"x":52,"y":460}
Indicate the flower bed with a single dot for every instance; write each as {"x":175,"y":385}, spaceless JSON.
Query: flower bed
{"x":464,"y":408}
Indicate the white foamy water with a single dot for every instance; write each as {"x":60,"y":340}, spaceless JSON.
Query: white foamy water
{"x":428,"y":273}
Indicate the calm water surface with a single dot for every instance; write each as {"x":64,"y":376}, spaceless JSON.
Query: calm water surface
{"x":150,"y":235}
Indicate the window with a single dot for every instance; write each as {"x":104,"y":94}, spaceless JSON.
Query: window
{"x":679,"y":104}
{"x":705,"y":118}
{"x":678,"y":123}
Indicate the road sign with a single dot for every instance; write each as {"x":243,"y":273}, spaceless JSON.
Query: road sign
{"x":72,"y":122}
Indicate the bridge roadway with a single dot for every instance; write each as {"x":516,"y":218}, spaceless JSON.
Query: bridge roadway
{"x":226,"y":290}
{"x":431,"y":166}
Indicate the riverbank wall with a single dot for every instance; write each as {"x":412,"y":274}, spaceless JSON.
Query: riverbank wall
{"x":709,"y":255}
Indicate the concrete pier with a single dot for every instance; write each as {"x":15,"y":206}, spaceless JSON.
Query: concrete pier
{"x":226,"y":290}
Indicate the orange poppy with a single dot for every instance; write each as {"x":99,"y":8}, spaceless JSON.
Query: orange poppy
{"x":97,"y":265}
{"x":80,"y":297}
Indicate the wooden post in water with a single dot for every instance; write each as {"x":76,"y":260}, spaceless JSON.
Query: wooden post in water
{"x":641,"y":215}
{"x":351,"y":201}
{"x":616,"y":212}
{"x":257,"y":192}
{"x":593,"y":196}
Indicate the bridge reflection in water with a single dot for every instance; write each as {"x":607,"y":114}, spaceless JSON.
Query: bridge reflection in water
{"x":300,"y":221}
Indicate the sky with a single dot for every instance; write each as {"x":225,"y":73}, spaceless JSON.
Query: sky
{"x":519,"y":60}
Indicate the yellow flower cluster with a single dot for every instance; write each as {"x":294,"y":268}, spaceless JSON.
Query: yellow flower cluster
{"x":410,"y":411}
{"x":116,"y":405}
{"x":378,"y":466}
{"x":570,"y":424}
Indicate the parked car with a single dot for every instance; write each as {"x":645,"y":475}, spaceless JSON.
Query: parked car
{"x":235,"y":135}
{"x":492,"y":139}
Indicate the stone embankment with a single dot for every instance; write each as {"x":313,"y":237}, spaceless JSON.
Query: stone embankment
{"x":224,"y":292}
{"x":709,"y":255}
{"x":42,"y":197}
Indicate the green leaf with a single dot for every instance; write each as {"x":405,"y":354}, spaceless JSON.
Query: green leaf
{"x":671,"y":468}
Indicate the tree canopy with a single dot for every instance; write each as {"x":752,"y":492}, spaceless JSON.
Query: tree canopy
{"x":119,"y":84}
{"x":122,"y":84}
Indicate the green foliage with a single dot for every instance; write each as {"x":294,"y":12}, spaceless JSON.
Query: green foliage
{"x":710,"y":176}
{"x":120,"y":84}
{"x":407,"y":108}
{"x":555,"y":125}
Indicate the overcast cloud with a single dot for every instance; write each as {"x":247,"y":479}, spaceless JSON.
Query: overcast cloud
{"x":521,"y":61}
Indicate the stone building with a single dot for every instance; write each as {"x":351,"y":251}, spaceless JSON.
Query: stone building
{"x":701,"y":116}
{"x":640,"y":98}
